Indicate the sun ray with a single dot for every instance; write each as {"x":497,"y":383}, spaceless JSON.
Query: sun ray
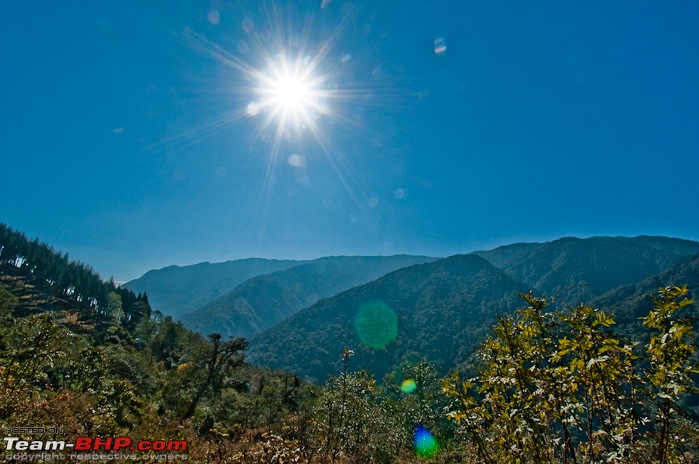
{"x":292,"y":95}
{"x":192,"y":136}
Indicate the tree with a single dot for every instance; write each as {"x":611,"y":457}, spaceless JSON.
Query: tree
{"x":671,"y":368}
{"x":7,"y":304}
{"x":561,"y":386}
{"x":343,"y":414}
{"x":114,"y":306}
{"x":222,"y":355}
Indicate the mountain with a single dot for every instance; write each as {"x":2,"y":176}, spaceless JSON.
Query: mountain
{"x":630,"y":302}
{"x":437,"y":310}
{"x":570,"y":268}
{"x":574,"y":270}
{"x":445,"y":308}
{"x":176,"y":290}
{"x":262,"y":301}
{"x":506,"y":254}
{"x":44,"y":280}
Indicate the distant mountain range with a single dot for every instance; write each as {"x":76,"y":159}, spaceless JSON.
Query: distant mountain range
{"x":176,"y":290}
{"x":262,"y":301}
{"x":574,"y":270}
{"x":439,"y":309}
{"x":301,"y":315}
{"x":446,"y":308}
{"x":630,"y":302}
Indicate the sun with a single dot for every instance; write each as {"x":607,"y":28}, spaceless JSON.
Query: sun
{"x":290,"y":92}
{"x":298,"y":98}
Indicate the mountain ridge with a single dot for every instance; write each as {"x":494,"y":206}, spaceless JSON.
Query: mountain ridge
{"x":574,"y":269}
{"x":175,"y":290}
{"x":447,"y":307}
{"x":630,"y":302}
{"x":327,"y":327}
{"x":264,"y":300}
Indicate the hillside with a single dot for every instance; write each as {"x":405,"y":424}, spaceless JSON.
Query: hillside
{"x":177,"y":290}
{"x":438,"y":310}
{"x":43,"y":279}
{"x":574,"y":270}
{"x":80,"y":351}
{"x":84,"y":353}
{"x":262,"y":301}
{"x":506,"y":254}
{"x":206,"y":295}
{"x":630,"y":302}
{"x":444,"y":307}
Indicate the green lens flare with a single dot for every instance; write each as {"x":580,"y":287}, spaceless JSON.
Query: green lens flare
{"x":408,"y":386}
{"x":376,"y":325}
{"x":426,"y":444}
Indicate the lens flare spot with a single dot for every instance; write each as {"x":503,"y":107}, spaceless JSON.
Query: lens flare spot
{"x":426,"y":444}
{"x":253,"y":109}
{"x":373,"y":202}
{"x":399,"y":193}
{"x":213,"y":17}
{"x":297,"y":161}
{"x":408,"y":386}
{"x":243,"y":47}
{"x":440,"y":46}
{"x":376,"y":324}
{"x":248,"y":25}
{"x":179,"y":175}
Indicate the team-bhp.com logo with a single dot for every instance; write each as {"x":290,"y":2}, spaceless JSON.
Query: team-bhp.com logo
{"x":94,"y":444}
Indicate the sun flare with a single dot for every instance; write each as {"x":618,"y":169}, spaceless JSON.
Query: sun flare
{"x":298,"y":99}
{"x":290,"y":93}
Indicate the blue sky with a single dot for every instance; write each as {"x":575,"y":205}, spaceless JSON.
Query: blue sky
{"x":126,"y":138}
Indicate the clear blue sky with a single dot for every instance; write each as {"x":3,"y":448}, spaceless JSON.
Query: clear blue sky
{"x":443,"y":127}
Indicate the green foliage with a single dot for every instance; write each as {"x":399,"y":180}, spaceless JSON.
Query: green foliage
{"x":550,"y":386}
{"x":344,"y":415}
{"x":357,"y":418}
{"x":669,"y":354}
{"x":45,"y":280}
{"x":443,"y":309}
{"x":30,"y":351}
{"x":7,"y":303}
{"x":561,"y":386}
{"x":42,"y":360}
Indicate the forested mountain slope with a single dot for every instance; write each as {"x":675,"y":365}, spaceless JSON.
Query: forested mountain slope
{"x":443,"y":308}
{"x":262,"y":301}
{"x":574,"y":270}
{"x":78,"y":350}
{"x":504,"y":255}
{"x":246,"y":296}
{"x":176,"y":290}
{"x":43,"y":279}
{"x":438,"y":311}
{"x":631,"y":302}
